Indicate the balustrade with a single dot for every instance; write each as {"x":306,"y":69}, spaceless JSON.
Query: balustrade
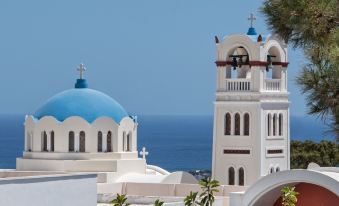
{"x":238,"y":85}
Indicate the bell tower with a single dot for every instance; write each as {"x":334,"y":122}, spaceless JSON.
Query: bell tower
{"x":251,"y":109}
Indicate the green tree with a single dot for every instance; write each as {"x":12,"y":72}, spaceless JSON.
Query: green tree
{"x":120,"y":200}
{"x":312,"y":25}
{"x":209,"y":187}
{"x":206,"y":197}
{"x":158,"y":203}
{"x":325,"y":153}
{"x":191,"y":199}
{"x":289,"y":196}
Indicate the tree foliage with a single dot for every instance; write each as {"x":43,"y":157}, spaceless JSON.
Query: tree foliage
{"x":289,"y":196}
{"x":209,"y":187}
{"x":158,"y":203}
{"x":312,"y":25}
{"x":120,"y":200}
{"x":206,"y":197}
{"x":325,"y":154}
{"x":191,"y":199}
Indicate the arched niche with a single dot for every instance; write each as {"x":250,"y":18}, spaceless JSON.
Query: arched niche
{"x":277,"y":54}
{"x":241,"y":55}
{"x":267,"y":190}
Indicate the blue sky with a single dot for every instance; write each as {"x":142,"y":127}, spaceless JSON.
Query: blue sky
{"x":154,"y":57}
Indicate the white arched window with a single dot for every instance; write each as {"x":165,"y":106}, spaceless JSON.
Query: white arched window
{"x":277,"y":169}
{"x":29,"y":142}
{"x":52,"y":141}
{"x":129,"y":142}
{"x":274,"y":124}
{"x":44,"y":141}
{"x":237,"y":124}
{"x":124,"y":141}
{"x":231,"y":176}
{"x":109,"y":141}
{"x":271,"y":170}
{"x":269,"y":119}
{"x":227,"y":124}
{"x":99,"y":141}
{"x":280,"y":124}
{"x":71,"y":141}
{"x":241,"y":176}
{"x":82,"y":142}
{"x":246,"y":124}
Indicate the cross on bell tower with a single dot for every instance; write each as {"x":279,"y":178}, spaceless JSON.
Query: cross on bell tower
{"x":251,"y":30}
{"x":81,"y":70}
{"x":252,"y":19}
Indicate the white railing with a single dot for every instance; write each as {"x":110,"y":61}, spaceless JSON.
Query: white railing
{"x":272,"y":84}
{"x":238,"y":85}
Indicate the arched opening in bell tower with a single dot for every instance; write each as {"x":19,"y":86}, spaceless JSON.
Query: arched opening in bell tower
{"x":273,"y":71}
{"x":238,"y":73}
{"x":238,"y":61}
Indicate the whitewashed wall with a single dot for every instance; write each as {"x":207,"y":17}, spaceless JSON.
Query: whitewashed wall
{"x":65,"y":190}
{"x":35,"y":128}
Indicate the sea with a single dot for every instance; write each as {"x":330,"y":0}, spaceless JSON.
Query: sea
{"x":175,"y":143}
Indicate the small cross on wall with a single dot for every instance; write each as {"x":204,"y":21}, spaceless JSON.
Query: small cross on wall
{"x":81,"y":70}
{"x":143,"y":153}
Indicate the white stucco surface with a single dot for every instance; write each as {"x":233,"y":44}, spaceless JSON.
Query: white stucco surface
{"x":51,"y":190}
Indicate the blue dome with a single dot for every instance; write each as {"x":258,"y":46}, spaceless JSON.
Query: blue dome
{"x":83,"y":102}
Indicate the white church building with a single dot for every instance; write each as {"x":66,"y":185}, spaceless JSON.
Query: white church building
{"x":85,"y":130}
{"x":81,"y":129}
{"x":81,"y":145}
{"x":251,"y":110}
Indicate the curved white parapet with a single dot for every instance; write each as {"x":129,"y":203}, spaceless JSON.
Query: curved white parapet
{"x":157,"y":169}
{"x":267,"y":189}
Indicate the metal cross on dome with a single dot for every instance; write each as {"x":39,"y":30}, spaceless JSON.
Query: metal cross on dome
{"x":252,"y":19}
{"x":143,"y":153}
{"x":81,"y":70}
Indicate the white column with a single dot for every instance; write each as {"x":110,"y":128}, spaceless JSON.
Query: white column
{"x":48,"y":141}
{"x":124,"y":142}
{"x":241,"y":124}
{"x":31,"y":141}
{"x":104,"y":142}
{"x":271,"y":124}
{"x":276,"y":124}
{"x":221,"y":75}
{"x":232,"y":123}
{"x":257,"y":78}
{"x":76,"y":142}
{"x":223,"y":78}
{"x":283,"y":82}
